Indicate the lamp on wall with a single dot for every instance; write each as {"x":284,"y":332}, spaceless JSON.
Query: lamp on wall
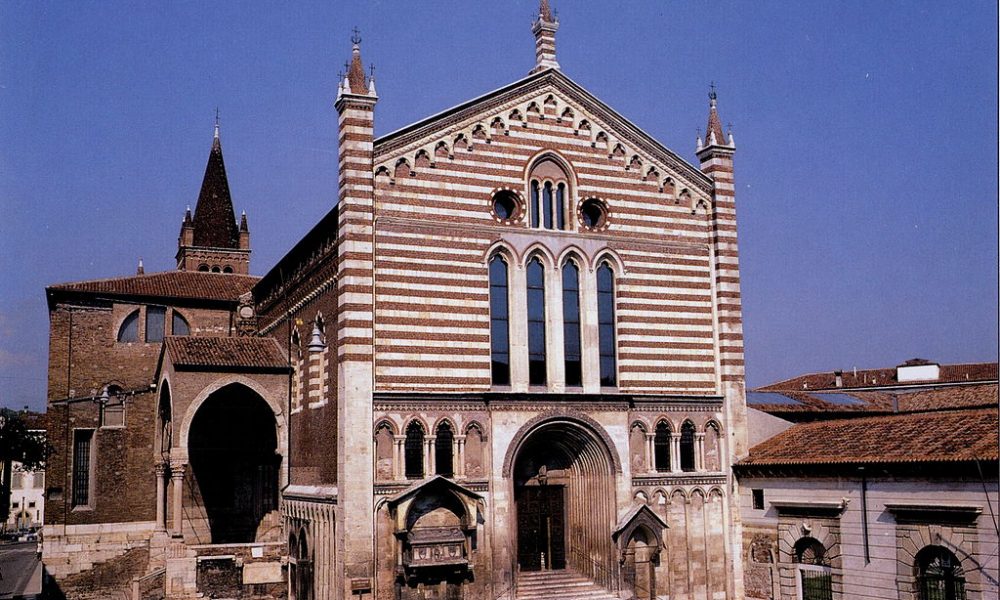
{"x":316,"y":343}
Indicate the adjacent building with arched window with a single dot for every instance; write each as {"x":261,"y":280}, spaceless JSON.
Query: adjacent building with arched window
{"x":879,"y":483}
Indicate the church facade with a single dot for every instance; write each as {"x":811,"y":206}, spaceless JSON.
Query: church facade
{"x":509,"y":359}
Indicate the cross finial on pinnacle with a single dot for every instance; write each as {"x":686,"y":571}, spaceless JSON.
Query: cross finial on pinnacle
{"x":712,"y":95}
{"x":356,"y":36}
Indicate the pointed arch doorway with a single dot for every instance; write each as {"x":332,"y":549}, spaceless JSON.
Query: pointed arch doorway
{"x":233,"y":449}
{"x":563,"y":474}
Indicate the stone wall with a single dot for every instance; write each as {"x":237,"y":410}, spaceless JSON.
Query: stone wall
{"x":889,"y":572}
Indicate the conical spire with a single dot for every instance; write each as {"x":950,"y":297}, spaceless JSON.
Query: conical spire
{"x":356,"y":72}
{"x":214,"y":218}
{"x":713,"y":133}
{"x":544,"y":11}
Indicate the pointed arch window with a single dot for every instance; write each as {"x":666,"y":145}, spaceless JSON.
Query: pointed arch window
{"x":413,"y":448}
{"x":687,"y":446}
{"x":661,"y":447}
{"x":571,"y":324}
{"x":443,"y":450}
{"x":606,"y":325}
{"x":536,"y":323}
{"x":499,"y":322}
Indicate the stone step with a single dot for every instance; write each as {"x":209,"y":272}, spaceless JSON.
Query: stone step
{"x":563,"y":584}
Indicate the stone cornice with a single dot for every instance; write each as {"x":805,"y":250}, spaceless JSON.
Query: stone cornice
{"x":675,"y":479}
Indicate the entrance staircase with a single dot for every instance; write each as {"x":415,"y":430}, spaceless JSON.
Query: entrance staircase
{"x":563,"y":584}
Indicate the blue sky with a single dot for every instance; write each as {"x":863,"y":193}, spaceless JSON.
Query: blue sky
{"x":866,"y":134}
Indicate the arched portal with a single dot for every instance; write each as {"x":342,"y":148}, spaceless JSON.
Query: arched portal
{"x":232,"y":447}
{"x":564,"y":494}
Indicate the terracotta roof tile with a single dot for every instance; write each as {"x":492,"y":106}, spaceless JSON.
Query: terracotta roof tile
{"x":238,"y":353}
{"x":949,"y":396}
{"x":958,"y":373}
{"x":167,"y":284}
{"x":940,"y":436}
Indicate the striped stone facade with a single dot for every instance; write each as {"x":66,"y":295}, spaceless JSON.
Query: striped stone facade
{"x":424,"y":442}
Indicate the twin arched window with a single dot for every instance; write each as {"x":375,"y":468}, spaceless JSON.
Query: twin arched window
{"x":536,"y":323}
{"x":444,"y":454}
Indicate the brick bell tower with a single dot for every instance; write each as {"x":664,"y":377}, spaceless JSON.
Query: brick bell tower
{"x":211,"y":241}
{"x":355,"y":106}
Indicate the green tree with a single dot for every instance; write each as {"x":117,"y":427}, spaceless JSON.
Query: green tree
{"x":19,"y":444}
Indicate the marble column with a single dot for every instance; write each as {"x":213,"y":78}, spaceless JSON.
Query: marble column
{"x":699,"y":452}
{"x":460,"y":467}
{"x":675,"y":453}
{"x":177,"y":476}
{"x":160,"y":470}
{"x":650,"y":452}
{"x":398,"y":457}
{"x":429,"y":463}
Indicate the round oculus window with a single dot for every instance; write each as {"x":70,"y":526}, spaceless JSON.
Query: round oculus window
{"x":593,"y":213}
{"x":505,"y":205}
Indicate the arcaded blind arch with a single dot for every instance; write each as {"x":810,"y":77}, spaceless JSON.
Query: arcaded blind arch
{"x":713,"y":447}
{"x":443,"y":450}
{"x":571,"y":324}
{"x":606,"y":325}
{"x":414,"y":450}
{"x":549,"y":191}
{"x":499,"y":321}
{"x":536,"y":323}
{"x":384,"y":442}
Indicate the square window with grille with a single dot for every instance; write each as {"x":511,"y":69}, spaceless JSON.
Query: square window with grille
{"x":758,"y":499}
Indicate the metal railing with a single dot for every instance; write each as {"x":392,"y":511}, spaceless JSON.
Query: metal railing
{"x":594,"y":569}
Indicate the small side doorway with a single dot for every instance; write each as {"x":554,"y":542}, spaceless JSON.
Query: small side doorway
{"x":541,"y":527}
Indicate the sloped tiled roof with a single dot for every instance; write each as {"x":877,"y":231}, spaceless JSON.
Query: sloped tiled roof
{"x":958,"y":373}
{"x":166,"y":284}
{"x":791,"y":404}
{"x":225,"y":353}
{"x":923,"y":437}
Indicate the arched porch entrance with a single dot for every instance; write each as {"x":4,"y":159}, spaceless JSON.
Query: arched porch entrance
{"x":564,"y":494}
{"x":233,"y":453}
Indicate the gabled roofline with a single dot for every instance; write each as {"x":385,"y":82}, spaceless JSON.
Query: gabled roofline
{"x":616,"y":121}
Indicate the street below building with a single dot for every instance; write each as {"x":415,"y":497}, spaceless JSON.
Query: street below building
{"x":20,"y":570}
